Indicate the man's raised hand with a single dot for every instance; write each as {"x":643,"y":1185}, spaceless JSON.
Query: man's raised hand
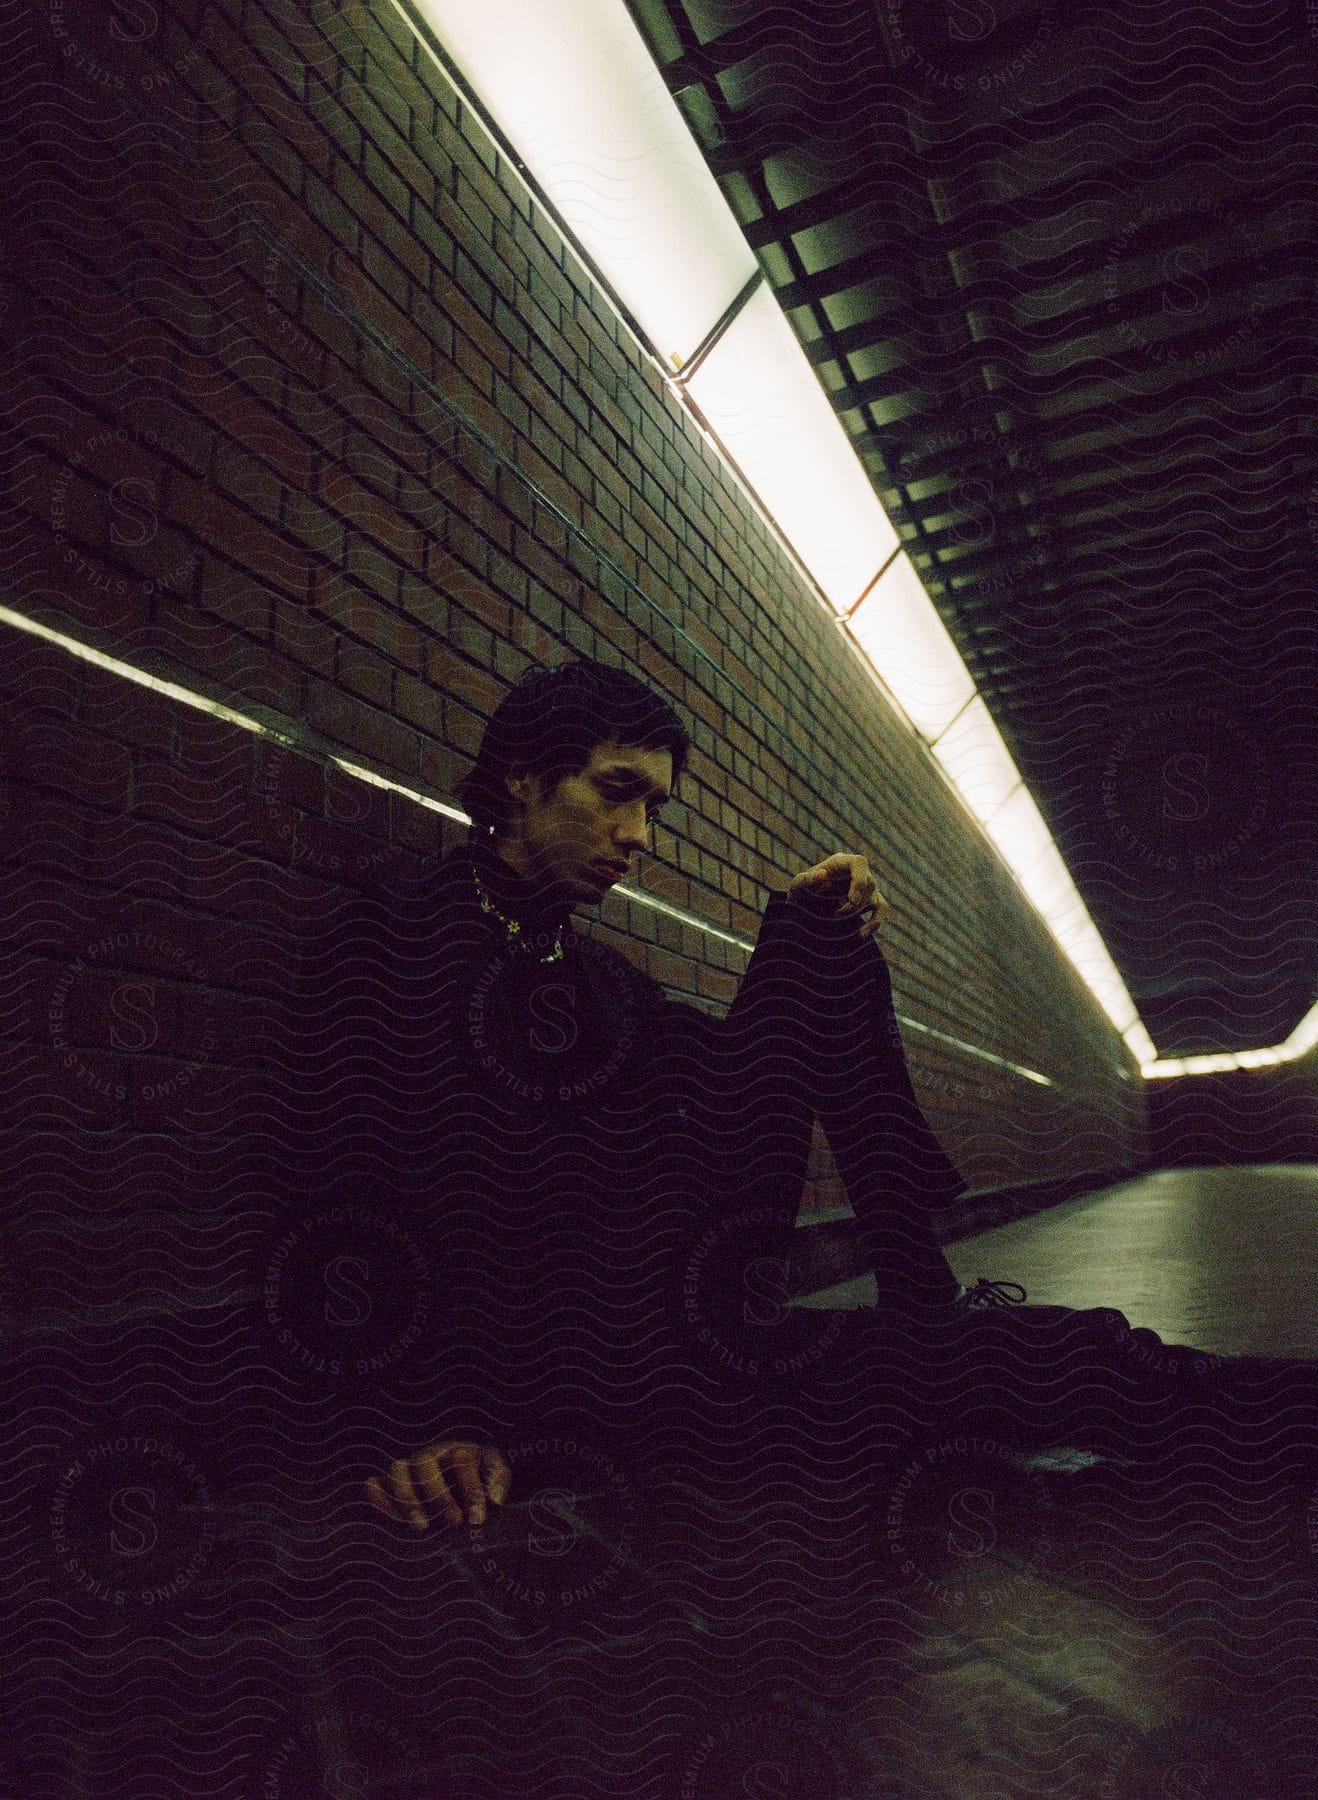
{"x":846,"y":881}
{"x":424,"y":1485}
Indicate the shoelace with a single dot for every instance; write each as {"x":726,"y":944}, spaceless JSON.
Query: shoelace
{"x":991,"y":1293}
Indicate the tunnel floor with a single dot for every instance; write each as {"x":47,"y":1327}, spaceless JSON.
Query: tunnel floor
{"x":1222,"y":1259}
{"x":1004,"y":1619}
{"x":1160,"y":1640}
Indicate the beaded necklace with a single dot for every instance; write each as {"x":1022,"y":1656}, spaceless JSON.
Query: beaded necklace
{"x":513,"y":927}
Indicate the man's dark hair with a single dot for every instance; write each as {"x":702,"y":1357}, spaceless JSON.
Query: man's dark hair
{"x":551,"y":721}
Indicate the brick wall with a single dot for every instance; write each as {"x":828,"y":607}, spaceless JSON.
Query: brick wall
{"x":309,"y":407}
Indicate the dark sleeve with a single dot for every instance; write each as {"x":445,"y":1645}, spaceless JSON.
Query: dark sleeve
{"x":813,"y":1008}
{"x":749,"y":1098}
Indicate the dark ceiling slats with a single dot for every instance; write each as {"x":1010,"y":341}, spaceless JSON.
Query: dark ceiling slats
{"x":1067,"y":319}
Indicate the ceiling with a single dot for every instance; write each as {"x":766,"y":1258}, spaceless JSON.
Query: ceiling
{"x":1056,"y":269}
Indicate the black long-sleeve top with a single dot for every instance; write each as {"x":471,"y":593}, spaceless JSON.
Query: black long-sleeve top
{"x":599,"y":1182}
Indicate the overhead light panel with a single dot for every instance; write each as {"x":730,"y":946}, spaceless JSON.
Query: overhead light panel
{"x":1300,"y":1042}
{"x":1018,"y":829}
{"x":898,"y":627}
{"x":761,"y":398}
{"x":977,"y":761}
{"x":576,"y":90}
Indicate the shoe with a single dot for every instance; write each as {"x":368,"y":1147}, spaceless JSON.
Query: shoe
{"x":990,"y":1293}
{"x":1136,"y":1391}
{"x":1097,"y":1326}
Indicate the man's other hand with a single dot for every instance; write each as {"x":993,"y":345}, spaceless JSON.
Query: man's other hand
{"x":424,"y":1485}
{"x":841,"y":885}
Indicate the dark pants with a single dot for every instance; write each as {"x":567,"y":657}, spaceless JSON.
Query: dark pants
{"x":833,"y":1050}
{"x":819,"y":1039}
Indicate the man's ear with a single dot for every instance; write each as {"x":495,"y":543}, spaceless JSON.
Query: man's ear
{"x":520,"y":785}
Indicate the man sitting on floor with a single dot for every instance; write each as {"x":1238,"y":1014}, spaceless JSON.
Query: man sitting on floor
{"x":570,"y":1138}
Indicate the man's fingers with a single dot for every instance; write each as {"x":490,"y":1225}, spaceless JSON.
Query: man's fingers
{"x":382,"y":1498}
{"x":498,"y":1475}
{"x":396,"y":1497}
{"x":430,"y":1480}
{"x":378,"y":1498}
{"x":406,"y":1496}
{"x":477,"y":1471}
{"x":862,"y":894}
{"x":465,"y":1474}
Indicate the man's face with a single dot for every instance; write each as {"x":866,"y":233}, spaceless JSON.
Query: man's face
{"x":580,"y":837}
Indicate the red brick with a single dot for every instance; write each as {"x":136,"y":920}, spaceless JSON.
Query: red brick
{"x":673,"y":971}
{"x":212,"y":809}
{"x":239,"y":536}
{"x":295,"y":24}
{"x":462,"y":729}
{"x":362,"y":672}
{"x":116,"y":1011}
{"x":142,"y":859}
{"x":285,"y":114}
{"x":386,"y":317}
{"x":360,"y":727}
{"x":382,"y":223}
{"x":327,"y":848}
{"x":54,"y":753}
{"x":367,"y":510}
{"x":543,"y":476}
{"x":416,"y":827}
{"x":463,"y":681}
{"x":41,"y":676}
{"x":203,"y":383}
{"x":256,"y":185}
{"x":416,"y":702}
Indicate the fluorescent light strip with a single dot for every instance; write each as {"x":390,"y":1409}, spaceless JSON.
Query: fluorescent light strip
{"x":1300,"y":1042}
{"x":1001,"y":1062}
{"x":396,"y":787}
{"x":171,"y":689}
{"x":608,"y":144}
{"x":291,"y":739}
{"x":898,"y":625}
{"x":716,"y":331}
{"x":759,"y":395}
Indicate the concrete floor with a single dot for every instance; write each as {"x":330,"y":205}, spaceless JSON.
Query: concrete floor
{"x":1159,"y":1637}
{"x":957,"y":1618}
{"x":1224,"y":1260}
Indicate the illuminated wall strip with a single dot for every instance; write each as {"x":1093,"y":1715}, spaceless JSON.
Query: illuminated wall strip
{"x":287,"y":734}
{"x":1002,"y":1062}
{"x":397,"y":787}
